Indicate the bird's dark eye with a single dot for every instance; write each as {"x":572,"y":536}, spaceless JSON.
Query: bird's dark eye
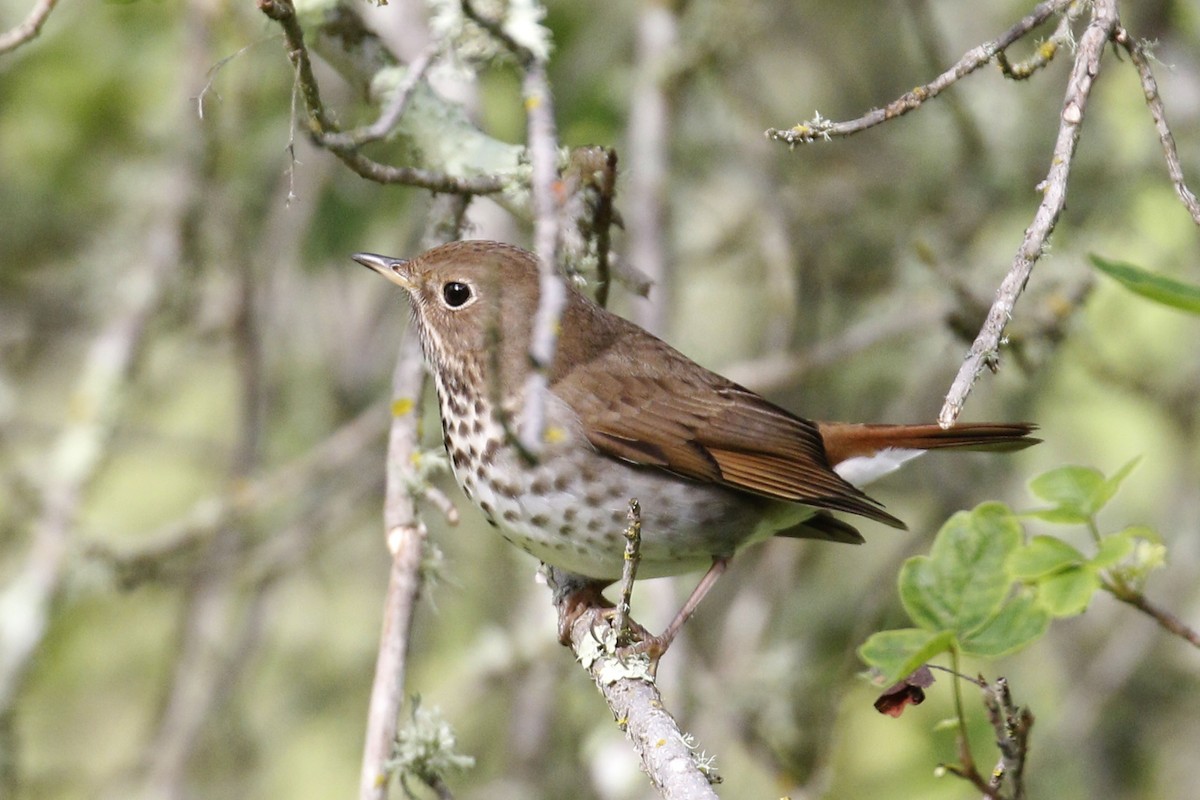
{"x":456,"y":294}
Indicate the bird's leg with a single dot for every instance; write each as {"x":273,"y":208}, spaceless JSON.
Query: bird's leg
{"x":574,"y":595}
{"x":656,"y":646}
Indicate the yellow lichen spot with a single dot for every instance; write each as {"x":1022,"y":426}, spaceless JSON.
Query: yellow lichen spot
{"x":533,"y":101}
{"x":660,"y":743}
{"x":554,"y":435}
{"x":1047,"y":50}
{"x":415,"y":458}
{"x":402,"y":406}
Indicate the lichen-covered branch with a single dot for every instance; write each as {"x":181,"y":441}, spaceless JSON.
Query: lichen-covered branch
{"x":668,"y":755}
{"x":496,"y":166}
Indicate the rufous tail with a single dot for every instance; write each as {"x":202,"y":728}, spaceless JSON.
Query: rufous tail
{"x":850,"y":440}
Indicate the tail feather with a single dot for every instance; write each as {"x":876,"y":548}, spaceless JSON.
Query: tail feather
{"x":844,"y":441}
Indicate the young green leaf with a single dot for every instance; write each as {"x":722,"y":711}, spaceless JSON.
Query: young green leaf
{"x":899,"y":652}
{"x":1159,"y":288}
{"x":1068,"y":592}
{"x":1044,"y":555}
{"x":1114,"y":548}
{"x":1076,"y":492}
{"x":962,"y":582}
{"x":1016,"y":625}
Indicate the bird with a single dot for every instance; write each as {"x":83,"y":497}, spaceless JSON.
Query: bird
{"x":714,"y":466}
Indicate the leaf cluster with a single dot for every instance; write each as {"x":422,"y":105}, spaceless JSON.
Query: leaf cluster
{"x":989,"y":588}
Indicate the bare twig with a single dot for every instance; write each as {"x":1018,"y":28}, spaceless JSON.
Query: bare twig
{"x":28,"y":28}
{"x":1137,"y":54}
{"x":819,"y":128}
{"x":1134,"y":597}
{"x":1012,"y":725}
{"x":405,"y":536}
{"x":984,"y":350}
{"x":1045,"y":52}
{"x":633,"y":554}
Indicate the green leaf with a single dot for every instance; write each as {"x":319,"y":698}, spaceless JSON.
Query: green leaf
{"x":1044,"y":555}
{"x":1073,"y":490}
{"x":962,"y":582}
{"x":1114,"y":549}
{"x":1019,"y":622}
{"x":1159,"y":288}
{"x":1068,"y":593}
{"x":897,"y":653}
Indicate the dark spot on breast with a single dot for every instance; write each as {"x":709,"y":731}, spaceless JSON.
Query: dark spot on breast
{"x":509,"y":490}
{"x":540,"y":520}
{"x":561,"y":482}
{"x":488,"y":511}
{"x":478,"y":407}
{"x":567,"y":531}
{"x":489,"y":451}
{"x":457,"y":457}
{"x":540,"y":485}
{"x":569,"y":513}
{"x":510,"y":515}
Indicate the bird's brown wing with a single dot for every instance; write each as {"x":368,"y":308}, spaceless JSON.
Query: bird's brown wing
{"x":650,"y":405}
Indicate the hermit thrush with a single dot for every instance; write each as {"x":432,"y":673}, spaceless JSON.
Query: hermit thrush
{"x":714,"y":466}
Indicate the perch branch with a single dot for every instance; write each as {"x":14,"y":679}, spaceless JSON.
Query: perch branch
{"x":667,"y":754}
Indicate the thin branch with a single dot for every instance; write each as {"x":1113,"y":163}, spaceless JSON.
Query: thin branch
{"x":821,"y":129}
{"x":321,"y":126}
{"x":1137,"y":54}
{"x":667,"y":754}
{"x":28,"y":28}
{"x":1045,"y":52}
{"x":984,"y":351}
{"x":1134,"y":597}
{"x":552,"y":291}
{"x":405,"y":536}
{"x":391,"y":113}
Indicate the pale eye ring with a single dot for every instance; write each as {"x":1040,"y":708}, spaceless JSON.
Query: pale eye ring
{"x":456,"y":294}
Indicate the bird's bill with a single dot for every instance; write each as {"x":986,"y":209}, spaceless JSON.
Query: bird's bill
{"x":394,"y":269}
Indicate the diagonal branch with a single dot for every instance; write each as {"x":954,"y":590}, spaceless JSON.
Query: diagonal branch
{"x":820,"y":129}
{"x":1137,"y":54}
{"x":28,"y":28}
{"x":985,"y":349}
